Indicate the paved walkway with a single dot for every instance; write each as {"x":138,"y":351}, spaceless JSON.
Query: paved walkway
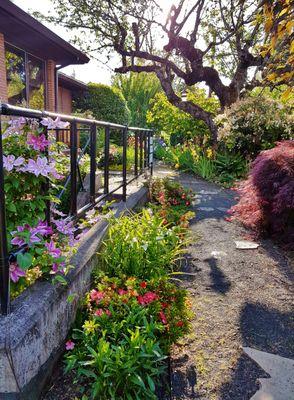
{"x":240,"y":298}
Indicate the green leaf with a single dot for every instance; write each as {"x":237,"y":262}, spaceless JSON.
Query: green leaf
{"x":24,"y":260}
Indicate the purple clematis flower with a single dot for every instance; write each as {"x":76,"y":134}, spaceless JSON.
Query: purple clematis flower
{"x":10,"y":162}
{"x":39,"y":167}
{"x":57,"y":268}
{"x":54,"y":124}
{"x":64,"y":227}
{"x":53,"y":250}
{"x":17,"y":241}
{"x":16,"y":126}
{"x":15,"y":272}
{"x":38,"y":142}
{"x":42,"y":228}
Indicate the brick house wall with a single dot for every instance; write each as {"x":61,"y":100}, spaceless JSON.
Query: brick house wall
{"x":3,"y":84}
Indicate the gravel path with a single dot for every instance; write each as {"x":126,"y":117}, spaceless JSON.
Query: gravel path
{"x":239,"y":298}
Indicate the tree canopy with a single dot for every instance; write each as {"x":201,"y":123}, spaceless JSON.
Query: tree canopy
{"x":214,"y":42}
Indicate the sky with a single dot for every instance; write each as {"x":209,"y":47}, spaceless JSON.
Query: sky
{"x":91,"y":72}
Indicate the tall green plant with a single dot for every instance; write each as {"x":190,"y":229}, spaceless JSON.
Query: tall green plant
{"x":138,"y":90}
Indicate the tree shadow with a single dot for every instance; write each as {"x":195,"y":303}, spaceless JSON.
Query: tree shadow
{"x":220,"y":283}
{"x":263,"y":329}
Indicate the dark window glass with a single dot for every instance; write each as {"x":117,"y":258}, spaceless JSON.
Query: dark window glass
{"x":36,"y":83}
{"x":16,"y":76}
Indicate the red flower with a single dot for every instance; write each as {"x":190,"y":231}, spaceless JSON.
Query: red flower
{"x":162,"y":317}
{"x":121,"y":292}
{"x":99,"y":312}
{"x":143,"y":285}
{"x":109,"y":313}
{"x":96,"y":295}
{"x":164,"y":305}
{"x":180,"y":323}
{"x":147,"y":298}
{"x":188,"y":203}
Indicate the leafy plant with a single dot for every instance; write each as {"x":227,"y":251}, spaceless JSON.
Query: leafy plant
{"x":119,"y":346}
{"x":140,"y":245}
{"x":229,"y":167}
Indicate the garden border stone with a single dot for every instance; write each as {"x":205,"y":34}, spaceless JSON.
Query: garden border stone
{"x":32,"y":336}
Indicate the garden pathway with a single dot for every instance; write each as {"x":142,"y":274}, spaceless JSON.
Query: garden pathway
{"x":240,"y":298}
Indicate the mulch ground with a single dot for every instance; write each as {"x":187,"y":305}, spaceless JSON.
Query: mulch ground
{"x":239,"y":298}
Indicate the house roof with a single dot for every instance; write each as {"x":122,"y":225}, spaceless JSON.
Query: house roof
{"x":22,"y":30}
{"x":71,"y":83}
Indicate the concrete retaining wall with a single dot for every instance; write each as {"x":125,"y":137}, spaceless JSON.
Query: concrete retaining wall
{"x":32,"y":336}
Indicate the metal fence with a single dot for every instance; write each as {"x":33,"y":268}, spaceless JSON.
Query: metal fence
{"x":143,"y":161}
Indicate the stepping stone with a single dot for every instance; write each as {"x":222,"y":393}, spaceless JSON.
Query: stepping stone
{"x":280,"y":385}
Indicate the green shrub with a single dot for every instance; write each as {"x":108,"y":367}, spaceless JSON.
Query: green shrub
{"x":106,"y":103}
{"x":254,"y":124}
{"x":140,"y":245}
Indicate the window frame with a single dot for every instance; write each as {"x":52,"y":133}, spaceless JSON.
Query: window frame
{"x":10,"y":47}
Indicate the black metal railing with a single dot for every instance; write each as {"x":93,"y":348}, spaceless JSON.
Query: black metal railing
{"x":143,"y":161}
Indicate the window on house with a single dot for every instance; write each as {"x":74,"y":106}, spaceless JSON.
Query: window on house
{"x":25,"y":79}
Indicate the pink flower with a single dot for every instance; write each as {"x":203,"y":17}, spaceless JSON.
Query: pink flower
{"x":147,"y":298}
{"x":162,"y":317}
{"x":99,"y":312}
{"x":10,"y":162}
{"x":38,"y":142}
{"x":69,"y":345}
{"x":52,"y":249}
{"x":107,"y":312}
{"x":54,"y":124}
{"x":15,"y":272}
{"x":96,"y":295}
{"x":122,"y":292}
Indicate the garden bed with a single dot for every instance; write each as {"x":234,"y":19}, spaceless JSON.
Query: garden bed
{"x":120,"y":342}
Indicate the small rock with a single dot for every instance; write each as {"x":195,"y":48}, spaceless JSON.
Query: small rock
{"x":246,"y":244}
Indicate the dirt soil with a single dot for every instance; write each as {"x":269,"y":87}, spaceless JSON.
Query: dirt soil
{"x":239,"y":298}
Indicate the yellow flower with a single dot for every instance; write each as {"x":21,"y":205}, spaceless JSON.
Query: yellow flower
{"x":177,"y":166}
{"x":209,"y":153}
{"x":89,"y":327}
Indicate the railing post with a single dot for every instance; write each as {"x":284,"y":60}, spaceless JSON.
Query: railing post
{"x":136,"y":153}
{"x":47,"y":184}
{"x":125,"y":144}
{"x":93,"y":141}
{"x":151,"y":152}
{"x":141,"y":152}
{"x":73,"y":168}
{"x":4,"y":262}
{"x":106,"y":160}
{"x":145,"y":149}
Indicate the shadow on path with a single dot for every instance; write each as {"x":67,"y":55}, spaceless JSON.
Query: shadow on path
{"x":220,"y":283}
